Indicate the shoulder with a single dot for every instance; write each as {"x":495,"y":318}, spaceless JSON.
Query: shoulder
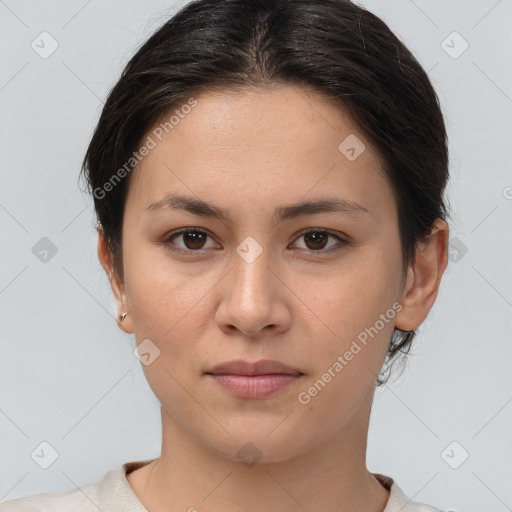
{"x":111,"y":494}
{"x":398,"y":501}
{"x":83,"y":499}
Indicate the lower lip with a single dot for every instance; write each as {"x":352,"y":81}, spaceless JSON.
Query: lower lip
{"x":254,"y":386}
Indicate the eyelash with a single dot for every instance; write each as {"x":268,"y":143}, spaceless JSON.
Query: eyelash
{"x":342,"y":241}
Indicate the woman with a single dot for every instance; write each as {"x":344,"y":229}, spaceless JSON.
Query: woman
{"x":268,"y":178}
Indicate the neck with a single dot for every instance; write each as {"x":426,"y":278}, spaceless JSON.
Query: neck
{"x":330,"y":476}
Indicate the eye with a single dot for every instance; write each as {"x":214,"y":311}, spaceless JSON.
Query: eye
{"x":192,"y":238}
{"x":317,"y":239}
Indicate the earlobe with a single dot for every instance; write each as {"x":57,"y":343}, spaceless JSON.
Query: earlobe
{"x":424,"y":278}
{"x":118,"y":289}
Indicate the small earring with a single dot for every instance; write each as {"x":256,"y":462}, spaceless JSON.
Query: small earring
{"x":123,"y":316}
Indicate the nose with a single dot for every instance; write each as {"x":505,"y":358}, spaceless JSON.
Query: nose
{"x":254,"y":298}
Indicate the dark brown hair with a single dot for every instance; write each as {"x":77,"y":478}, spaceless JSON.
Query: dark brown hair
{"x":334,"y":46}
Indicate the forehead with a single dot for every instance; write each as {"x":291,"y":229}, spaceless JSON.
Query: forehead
{"x":254,"y":141}
{"x":255,"y":116}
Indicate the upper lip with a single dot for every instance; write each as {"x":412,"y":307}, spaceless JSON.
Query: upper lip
{"x":263,"y":367}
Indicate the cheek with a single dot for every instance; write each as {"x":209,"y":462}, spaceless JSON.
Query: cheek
{"x":354,"y":295}
{"x":355,"y":306}
{"x":357,"y":325}
{"x":172,"y":310}
{"x":168,"y":306}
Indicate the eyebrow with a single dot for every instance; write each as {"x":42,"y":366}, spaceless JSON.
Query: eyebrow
{"x":203,"y":209}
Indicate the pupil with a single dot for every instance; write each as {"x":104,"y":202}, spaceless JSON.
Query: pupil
{"x":194,"y":237}
{"x":316,"y":236}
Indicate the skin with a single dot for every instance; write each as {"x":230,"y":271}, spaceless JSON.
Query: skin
{"x":251,"y":151}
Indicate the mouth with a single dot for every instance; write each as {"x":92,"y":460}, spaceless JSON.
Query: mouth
{"x":244,"y":379}
{"x":263,"y":367}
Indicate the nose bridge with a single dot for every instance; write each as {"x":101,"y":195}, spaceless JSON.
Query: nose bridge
{"x":252,"y":280}
{"x":250,"y":298}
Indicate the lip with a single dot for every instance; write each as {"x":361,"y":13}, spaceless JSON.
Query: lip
{"x":259,"y":379}
{"x":262,"y":367}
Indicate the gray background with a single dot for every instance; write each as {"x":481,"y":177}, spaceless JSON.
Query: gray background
{"x":67,"y":373}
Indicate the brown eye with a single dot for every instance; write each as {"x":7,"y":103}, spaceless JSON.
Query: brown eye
{"x":317,"y":240}
{"x":193,"y":240}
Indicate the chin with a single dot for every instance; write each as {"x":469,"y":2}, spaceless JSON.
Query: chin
{"x":262,"y":442}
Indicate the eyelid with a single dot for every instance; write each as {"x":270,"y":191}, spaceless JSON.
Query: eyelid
{"x":343,"y":240}
{"x":167,"y":239}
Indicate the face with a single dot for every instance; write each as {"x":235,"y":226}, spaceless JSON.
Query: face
{"x":314,"y":288}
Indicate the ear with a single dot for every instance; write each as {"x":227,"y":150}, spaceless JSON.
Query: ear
{"x":424,"y":278}
{"x":116,"y":283}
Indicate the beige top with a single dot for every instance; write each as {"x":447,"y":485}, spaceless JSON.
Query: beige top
{"x":114,"y":494}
